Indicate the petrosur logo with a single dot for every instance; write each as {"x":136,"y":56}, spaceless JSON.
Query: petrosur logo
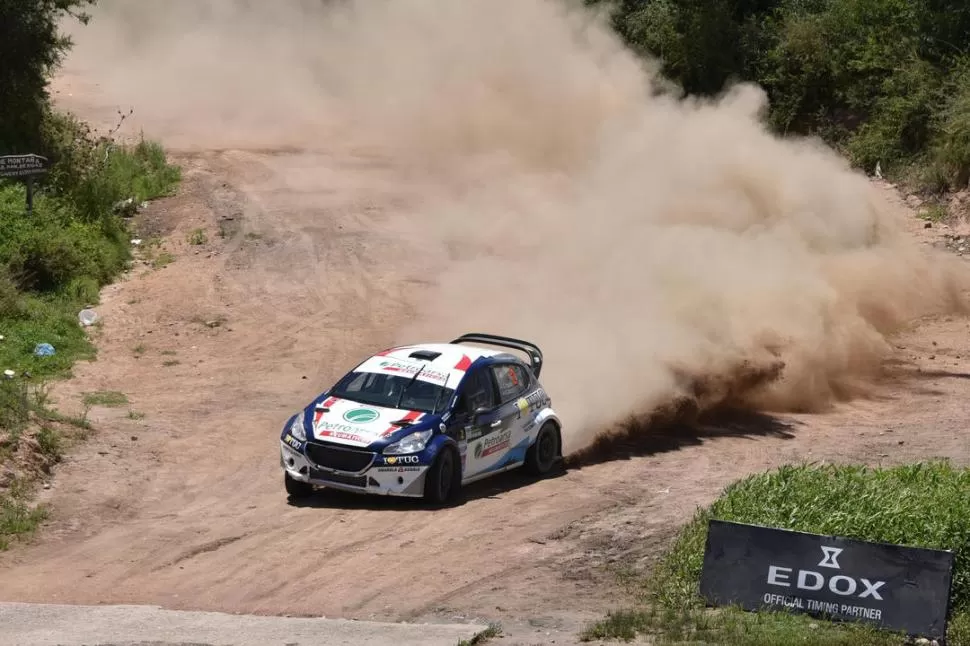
{"x":361,"y":415}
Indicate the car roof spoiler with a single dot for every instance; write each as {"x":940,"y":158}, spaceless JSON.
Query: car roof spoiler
{"x":531,"y":349}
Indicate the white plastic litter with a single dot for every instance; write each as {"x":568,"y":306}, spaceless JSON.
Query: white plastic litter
{"x":87,"y":317}
{"x":136,"y":241}
{"x":9,"y":374}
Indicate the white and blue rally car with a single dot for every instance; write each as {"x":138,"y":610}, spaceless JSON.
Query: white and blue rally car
{"x":423,"y":420}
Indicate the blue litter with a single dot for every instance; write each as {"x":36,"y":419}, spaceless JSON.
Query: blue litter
{"x":43,"y":350}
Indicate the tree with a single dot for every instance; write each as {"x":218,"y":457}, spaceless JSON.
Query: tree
{"x":31,"y":48}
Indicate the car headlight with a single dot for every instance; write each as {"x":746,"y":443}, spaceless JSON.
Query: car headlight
{"x":296,"y":428}
{"x":411,"y":444}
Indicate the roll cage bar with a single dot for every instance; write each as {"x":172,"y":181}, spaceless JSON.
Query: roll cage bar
{"x":531,"y":349}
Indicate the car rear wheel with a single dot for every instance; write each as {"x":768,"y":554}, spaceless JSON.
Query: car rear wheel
{"x":444,"y":478}
{"x":295,"y":488}
{"x":541,"y":456}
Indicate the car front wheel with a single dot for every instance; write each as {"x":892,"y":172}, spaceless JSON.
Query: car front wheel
{"x":542,"y":456}
{"x":443,"y":479}
{"x":295,"y":488}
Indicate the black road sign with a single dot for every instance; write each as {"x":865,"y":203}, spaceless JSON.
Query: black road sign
{"x":25,"y":167}
{"x":891,"y":586}
{"x":22,"y":165}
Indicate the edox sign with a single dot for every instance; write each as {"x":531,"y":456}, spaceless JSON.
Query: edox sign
{"x":840,"y":584}
{"x":890,"y":586}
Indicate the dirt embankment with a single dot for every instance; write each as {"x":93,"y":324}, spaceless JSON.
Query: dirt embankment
{"x":406,"y":170}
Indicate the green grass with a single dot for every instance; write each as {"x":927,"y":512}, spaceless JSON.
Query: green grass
{"x":108,"y":398}
{"x":924,"y":505}
{"x":24,"y":408}
{"x":197,"y":237}
{"x":493,"y":630}
{"x":163,"y":259}
{"x":17,"y":516}
{"x":934,"y":213}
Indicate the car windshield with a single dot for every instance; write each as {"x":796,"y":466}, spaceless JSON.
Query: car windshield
{"x":393,"y":391}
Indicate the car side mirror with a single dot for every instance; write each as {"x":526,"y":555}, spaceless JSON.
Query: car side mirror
{"x":481,"y":410}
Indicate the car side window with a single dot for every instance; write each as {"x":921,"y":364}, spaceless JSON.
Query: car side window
{"x":478,"y":392}
{"x":513,"y":381}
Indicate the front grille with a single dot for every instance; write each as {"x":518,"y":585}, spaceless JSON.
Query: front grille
{"x":339,"y":458}
{"x":336,"y":478}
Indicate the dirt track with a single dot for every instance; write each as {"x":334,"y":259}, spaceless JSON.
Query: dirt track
{"x":185,"y":508}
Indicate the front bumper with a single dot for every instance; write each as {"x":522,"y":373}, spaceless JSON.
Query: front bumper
{"x":386,"y":480}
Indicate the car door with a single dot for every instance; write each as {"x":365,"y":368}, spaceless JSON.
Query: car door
{"x":513,"y":382}
{"x":476,"y":393}
{"x":493,"y":431}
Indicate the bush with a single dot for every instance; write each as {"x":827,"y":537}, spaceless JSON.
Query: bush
{"x":882,"y":80}
{"x":921,"y":505}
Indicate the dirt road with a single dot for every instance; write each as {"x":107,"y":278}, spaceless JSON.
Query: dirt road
{"x":302,"y":274}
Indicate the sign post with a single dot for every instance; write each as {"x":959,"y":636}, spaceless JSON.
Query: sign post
{"x":25,"y":167}
{"x":889,"y":586}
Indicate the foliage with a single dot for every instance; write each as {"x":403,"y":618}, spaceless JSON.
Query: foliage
{"x":923,"y":505}
{"x":883,"y":80}
{"x":31,"y":47}
{"x":54,"y":260}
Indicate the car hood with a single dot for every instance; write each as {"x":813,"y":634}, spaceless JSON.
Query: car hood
{"x":342,"y":421}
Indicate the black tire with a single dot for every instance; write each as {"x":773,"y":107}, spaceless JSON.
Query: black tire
{"x":543,"y":455}
{"x":295,"y":488}
{"x":443,"y":480}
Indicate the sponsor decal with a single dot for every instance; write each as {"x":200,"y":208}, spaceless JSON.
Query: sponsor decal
{"x":329,"y":429}
{"x":401,"y":459}
{"x":491,"y":445}
{"x":293,"y":442}
{"x":412,"y":368}
{"x":397,"y":469}
{"x":891,"y":586}
{"x":532,"y":402}
{"x":340,"y":435}
{"x":361,"y":415}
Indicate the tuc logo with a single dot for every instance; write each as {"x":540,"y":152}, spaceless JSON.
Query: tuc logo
{"x":811,"y":580}
{"x":402,"y":459}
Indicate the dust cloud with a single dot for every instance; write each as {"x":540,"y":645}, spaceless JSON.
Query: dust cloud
{"x":656,"y":247}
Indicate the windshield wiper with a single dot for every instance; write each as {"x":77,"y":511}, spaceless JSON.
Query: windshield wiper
{"x":409,"y":384}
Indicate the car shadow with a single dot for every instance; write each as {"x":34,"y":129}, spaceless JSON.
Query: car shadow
{"x":491,"y":487}
{"x":638,"y":437}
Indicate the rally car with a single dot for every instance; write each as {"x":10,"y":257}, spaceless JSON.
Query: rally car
{"x":424,"y":420}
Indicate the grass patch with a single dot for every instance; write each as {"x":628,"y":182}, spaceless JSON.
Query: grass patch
{"x":133,"y":414}
{"x":163,"y":259}
{"x":934,"y":213}
{"x":197,"y":237}
{"x":17,"y":517}
{"x":108,"y":398}
{"x":171,"y":362}
{"x":921,"y":505}
{"x":493,"y":631}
